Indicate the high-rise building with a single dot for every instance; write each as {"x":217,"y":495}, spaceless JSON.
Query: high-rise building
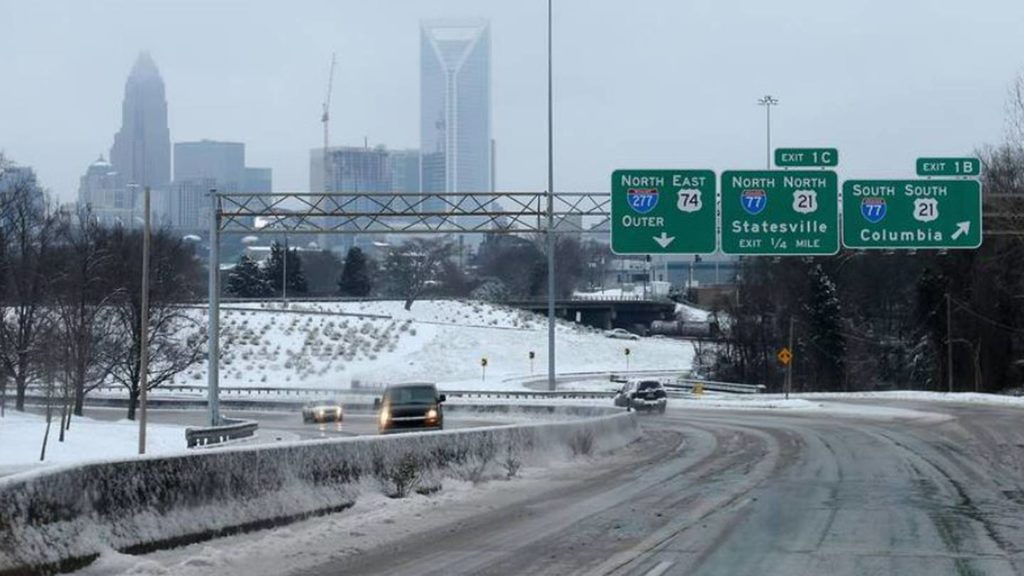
{"x":204,"y":165}
{"x":220,"y":161}
{"x":141,"y":153}
{"x":352,"y":169}
{"x":455,"y":106}
{"x":405,"y":171}
{"x":110,"y":202}
{"x":258,"y":180}
{"x":20,"y":180}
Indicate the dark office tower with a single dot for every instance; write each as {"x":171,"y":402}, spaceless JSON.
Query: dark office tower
{"x":141,"y":153}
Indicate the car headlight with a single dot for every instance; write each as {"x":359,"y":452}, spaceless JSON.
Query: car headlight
{"x":432,"y":414}
{"x":385,"y":415}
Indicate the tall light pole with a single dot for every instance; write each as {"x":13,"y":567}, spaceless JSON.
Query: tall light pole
{"x":144,"y":325}
{"x":768,"y":101}
{"x":213,"y":328}
{"x":551,"y":221}
{"x":284,"y":271}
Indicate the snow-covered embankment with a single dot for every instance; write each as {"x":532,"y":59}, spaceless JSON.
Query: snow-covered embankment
{"x":66,"y":516}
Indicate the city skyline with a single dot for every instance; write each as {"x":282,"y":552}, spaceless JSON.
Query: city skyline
{"x":629,"y":90}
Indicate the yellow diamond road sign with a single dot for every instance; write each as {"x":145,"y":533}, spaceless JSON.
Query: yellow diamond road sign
{"x":785,"y":356}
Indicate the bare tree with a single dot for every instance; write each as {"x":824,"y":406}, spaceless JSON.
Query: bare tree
{"x":82,"y":304}
{"x":1015,"y":113}
{"x":28,"y":233}
{"x":413,"y":268}
{"x":175,"y":339}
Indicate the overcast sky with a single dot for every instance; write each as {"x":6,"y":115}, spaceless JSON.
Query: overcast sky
{"x":640,"y":83}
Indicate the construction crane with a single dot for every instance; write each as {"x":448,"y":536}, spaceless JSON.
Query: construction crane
{"x":325,"y":118}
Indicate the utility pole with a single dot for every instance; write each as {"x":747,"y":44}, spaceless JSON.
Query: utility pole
{"x":551,"y":222}
{"x":949,"y":342}
{"x":789,"y":367}
{"x":144,"y":327}
{"x":768,"y":101}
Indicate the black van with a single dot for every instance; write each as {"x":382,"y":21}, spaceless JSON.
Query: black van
{"x":409,"y":407}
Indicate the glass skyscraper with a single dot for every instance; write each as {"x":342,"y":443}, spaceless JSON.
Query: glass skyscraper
{"x":455,"y":106}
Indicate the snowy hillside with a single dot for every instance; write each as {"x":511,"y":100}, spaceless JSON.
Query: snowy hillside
{"x":312,"y":344}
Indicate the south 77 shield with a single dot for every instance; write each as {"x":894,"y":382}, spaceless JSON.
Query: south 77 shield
{"x":873,"y":209}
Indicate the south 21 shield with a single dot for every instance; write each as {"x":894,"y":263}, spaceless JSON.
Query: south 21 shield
{"x":754,"y":201}
{"x":642,"y":200}
{"x":873,"y":209}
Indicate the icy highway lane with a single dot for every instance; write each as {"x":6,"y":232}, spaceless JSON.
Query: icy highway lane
{"x":279,"y":425}
{"x":937,"y":489}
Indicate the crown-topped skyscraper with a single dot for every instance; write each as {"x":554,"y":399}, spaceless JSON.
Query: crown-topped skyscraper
{"x":141,"y":153}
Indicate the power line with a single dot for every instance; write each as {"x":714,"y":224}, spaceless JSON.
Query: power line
{"x":963,"y":306}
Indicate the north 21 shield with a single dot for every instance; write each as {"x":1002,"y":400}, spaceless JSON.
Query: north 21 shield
{"x":642,"y":200}
{"x":754,"y":201}
{"x":872,"y":209}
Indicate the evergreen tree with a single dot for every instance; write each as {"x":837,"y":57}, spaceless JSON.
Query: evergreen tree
{"x":272,"y":271}
{"x":827,"y":343}
{"x":355,"y":276}
{"x":246,"y":280}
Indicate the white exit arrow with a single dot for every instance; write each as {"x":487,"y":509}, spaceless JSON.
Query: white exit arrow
{"x":664,"y":240}
{"x":961,"y":229}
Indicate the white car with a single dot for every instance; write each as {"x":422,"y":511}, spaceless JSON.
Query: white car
{"x":329,"y":411}
{"x":648,"y":395}
{"x":621,"y":334}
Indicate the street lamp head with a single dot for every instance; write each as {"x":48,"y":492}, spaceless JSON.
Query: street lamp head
{"x":768,"y":100}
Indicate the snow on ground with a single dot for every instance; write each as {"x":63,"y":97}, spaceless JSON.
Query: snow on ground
{"x":438,"y":340}
{"x":373,"y":521}
{"x":918,"y":395}
{"x":21,"y":436}
{"x":634,"y":292}
{"x":688,"y":313}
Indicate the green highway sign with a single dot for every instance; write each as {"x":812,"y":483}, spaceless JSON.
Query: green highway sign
{"x":806,"y":157}
{"x":911,"y":214}
{"x":772,"y":212}
{"x":948,"y":167}
{"x":663,"y":211}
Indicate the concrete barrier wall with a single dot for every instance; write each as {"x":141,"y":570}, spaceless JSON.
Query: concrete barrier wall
{"x":62,"y":517}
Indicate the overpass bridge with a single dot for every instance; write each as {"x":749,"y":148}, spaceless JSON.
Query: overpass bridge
{"x":633,"y":314}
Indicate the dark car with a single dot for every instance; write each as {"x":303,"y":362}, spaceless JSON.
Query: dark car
{"x":409,"y":407}
{"x":642,"y":395}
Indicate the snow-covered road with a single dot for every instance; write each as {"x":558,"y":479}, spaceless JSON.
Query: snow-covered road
{"x":910,"y":488}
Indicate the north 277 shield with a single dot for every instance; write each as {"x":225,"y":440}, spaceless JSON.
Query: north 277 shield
{"x":642,"y":200}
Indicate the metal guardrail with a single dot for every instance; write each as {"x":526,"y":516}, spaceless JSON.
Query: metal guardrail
{"x":709,"y":385}
{"x":230,"y":430}
{"x":530,"y":394}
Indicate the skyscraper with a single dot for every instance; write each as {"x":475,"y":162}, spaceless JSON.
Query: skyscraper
{"x":200,"y":166}
{"x":455,"y":106}
{"x":352,"y":169}
{"x":141,"y":153}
